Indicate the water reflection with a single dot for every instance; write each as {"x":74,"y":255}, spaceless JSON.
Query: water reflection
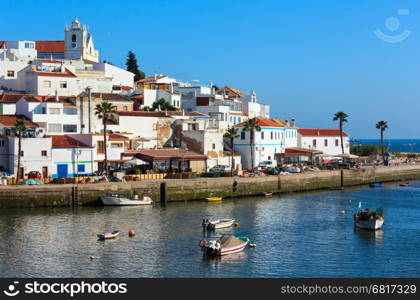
{"x":370,"y":236}
{"x":297,"y":235}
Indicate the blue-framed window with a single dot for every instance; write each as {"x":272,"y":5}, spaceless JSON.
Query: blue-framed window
{"x":81,"y":168}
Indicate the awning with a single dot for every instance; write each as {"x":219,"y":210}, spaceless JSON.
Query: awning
{"x":166,"y":154}
{"x":297,"y":151}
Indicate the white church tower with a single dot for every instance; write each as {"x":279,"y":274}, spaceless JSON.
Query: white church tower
{"x":79,"y":43}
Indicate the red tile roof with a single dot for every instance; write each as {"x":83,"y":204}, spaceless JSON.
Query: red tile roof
{"x":262,"y":122}
{"x":66,"y":141}
{"x":117,"y":137}
{"x":150,"y":79}
{"x":320,"y":132}
{"x":11,"y":98}
{"x":66,"y":73}
{"x":31,"y":98}
{"x":123,"y":87}
{"x":49,"y":46}
{"x":10,"y":120}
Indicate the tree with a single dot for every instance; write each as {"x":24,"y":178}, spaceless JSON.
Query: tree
{"x":163,"y":105}
{"x":106,"y":112}
{"x":342,"y":118}
{"x":20,"y":129}
{"x":252,"y":126}
{"x":382,"y":126}
{"x":231,"y":134}
{"x":132,"y":66}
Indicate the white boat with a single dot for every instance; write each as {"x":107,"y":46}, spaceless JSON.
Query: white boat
{"x":115,"y":200}
{"x":108,"y":235}
{"x":226,"y":244}
{"x":217,"y":224}
{"x":369,"y":220}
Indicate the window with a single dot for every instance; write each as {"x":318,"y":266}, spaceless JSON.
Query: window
{"x":63,"y":84}
{"x":214,"y":146}
{"x":117,"y":145}
{"x":54,"y":111}
{"x":100,"y":147}
{"x":10,"y":73}
{"x":269,"y":157}
{"x":44,"y":153}
{"x":81,"y":168}
{"x":54,"y":127}
{"x":46,"y":84}
{"x":21,"y":153}
{"x":29,"y":45}
{"x":271,"y":135}
{"x":314,"y":143}
{"x":1,"y":143}
{"x":262,"y":135}
{"x":70,"y":111}
{"x":336,"y":143}
{"x":73,"y":38}
{"x":326,"y":143}
{"x":242,"y":135}
{"x":69,"y":128}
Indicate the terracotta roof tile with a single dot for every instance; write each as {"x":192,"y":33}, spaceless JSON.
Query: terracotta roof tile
{"x":10,"y":120}
{"x":12,"y":98}
{"x":262,"y":122}
{"x":320,"y":132}
{"x":66,"y":73}
{"x":66,"y":141}
{"x":49,"y":46}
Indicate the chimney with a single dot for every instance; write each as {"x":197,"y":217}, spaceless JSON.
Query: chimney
{"x":56,"y":95}
{"x":292,"y":123}
{"x":287,"y":123}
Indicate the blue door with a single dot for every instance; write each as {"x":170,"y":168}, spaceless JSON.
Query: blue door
{"x":62,"y":171}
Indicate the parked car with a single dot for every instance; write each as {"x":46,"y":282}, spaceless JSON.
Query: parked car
{"x":5,"y":175}
{"x":34,"y":175}
{"x":266,"y":164}
{"x":220,"y":168}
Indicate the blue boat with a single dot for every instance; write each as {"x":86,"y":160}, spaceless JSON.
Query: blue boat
{"x":376,"y":184}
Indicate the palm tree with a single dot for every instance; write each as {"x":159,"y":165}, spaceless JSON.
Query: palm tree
{"x":107,"y":112}
{"x":252,"y":126}
{"x":382,"y":126}
{"x":231,"y":134}
{"x":20,"y":129}
{"x":342,"y":118}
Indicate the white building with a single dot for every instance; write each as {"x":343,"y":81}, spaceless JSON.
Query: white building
{"x":254,"y":109}
{"x":79,"y":43}
{"x":274,"y":137}
{"x":71,"y":155}
{"x":54,"y":115}
{"x":326,"y":140}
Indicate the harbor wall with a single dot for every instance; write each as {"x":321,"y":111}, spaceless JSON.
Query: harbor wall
{"x":59,"y":195}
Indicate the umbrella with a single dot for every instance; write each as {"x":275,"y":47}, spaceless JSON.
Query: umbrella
{"x":135,"y":162}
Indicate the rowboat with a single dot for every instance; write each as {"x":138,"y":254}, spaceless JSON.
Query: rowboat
{"x":108,"y":235}
{"x":405,"y":184}
{"x":268,"y":194}
{"x":211,"y":199}
{"x":226,"y":244}
{"x":376,"y":184}
{"x":369,"y":220}
{"x":116,"y":200}
{"x":217,"y":224}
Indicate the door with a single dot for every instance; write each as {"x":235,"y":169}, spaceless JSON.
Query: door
{"x":44,"y":172}
{"x":62,"y":171}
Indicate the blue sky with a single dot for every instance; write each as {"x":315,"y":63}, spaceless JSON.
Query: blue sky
{"x":307,"y":59}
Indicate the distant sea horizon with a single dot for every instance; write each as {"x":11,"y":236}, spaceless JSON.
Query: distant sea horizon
{"x":399,"y":145}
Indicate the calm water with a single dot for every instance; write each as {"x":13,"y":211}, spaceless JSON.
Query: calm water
{"x":395,"y":145}
{"x":297,"y":235}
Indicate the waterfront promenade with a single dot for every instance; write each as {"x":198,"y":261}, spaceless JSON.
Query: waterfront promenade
{"x":61,"y":195}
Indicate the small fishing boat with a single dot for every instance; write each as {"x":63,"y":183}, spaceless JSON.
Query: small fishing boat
{"x":376,"y":184}
{"x":117,"y":200}
{"x":268,"y":194}
{"x":212,"y":199}
{"x":405,"y":184}
{"x":217,"y":224}
{"x":108,"y":235}
{"x":226,"y":244}
{"x":368,"y":219}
